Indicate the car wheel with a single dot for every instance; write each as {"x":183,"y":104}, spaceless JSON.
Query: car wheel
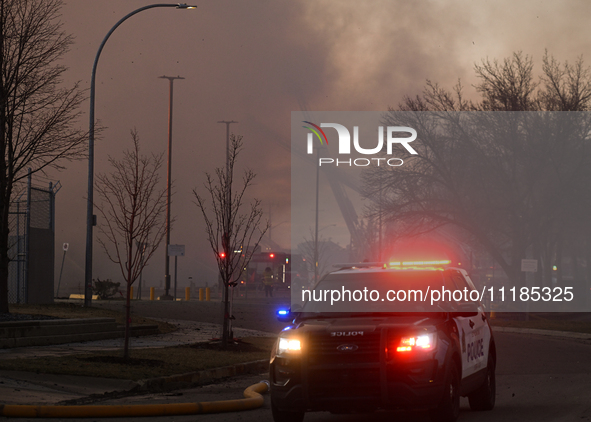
{"x":285,"y":416}
{"x":484,"y":397}
{"x":449,"y":407}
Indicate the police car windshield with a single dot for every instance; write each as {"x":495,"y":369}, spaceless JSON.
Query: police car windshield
{"x":411,"y":316}
{"x":351,"y":291}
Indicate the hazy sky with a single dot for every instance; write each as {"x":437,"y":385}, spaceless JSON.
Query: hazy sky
{"x":255,"y":62}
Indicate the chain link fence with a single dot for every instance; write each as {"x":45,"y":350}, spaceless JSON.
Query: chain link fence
{"x":17,"y":286}
{"x":31,"y":249}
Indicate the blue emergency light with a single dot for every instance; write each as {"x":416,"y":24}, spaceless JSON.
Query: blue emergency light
{"x":283,"y":312}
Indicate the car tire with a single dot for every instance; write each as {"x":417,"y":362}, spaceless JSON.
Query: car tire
{"x":285,"y":416}
{"x":484,"y":397}
{"x":449,"y":407}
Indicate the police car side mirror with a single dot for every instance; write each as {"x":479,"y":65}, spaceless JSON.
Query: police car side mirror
{"x":466,"y":309}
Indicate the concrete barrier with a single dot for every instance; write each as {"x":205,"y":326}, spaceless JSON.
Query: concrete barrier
{"x":76,"y":296}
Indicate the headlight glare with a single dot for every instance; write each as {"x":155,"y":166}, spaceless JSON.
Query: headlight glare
{"x":289,"y":345}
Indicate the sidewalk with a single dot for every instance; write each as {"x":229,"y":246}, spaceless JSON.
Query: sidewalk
{"x":30,"y":388}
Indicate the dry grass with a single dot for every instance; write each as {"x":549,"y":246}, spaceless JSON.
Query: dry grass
{"x":71,"y":310}
{"x":145,"y":363}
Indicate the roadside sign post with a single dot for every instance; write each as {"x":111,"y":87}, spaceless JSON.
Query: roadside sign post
{"x":176,"y":251}
{"x":65,"y":248}
{"x":528,"y":266}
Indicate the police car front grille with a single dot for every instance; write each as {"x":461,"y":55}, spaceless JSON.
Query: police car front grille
{"x":344,"y":383}
{"x":326,"y":350}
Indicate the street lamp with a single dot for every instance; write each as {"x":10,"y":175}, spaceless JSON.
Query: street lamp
{"x":90,"y":219}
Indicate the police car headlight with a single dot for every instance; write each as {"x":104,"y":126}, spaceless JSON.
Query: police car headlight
{"x":289,"y":345}
{"x":426,"y":341}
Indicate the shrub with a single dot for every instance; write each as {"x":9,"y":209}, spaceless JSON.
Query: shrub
{"x":105,"y":289}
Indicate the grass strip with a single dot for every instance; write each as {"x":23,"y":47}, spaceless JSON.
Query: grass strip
{"x":147,"y":363}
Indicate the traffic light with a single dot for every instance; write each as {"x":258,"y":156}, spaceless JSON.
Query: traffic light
{"x":271,"y":255}
{"x":222,"y":255}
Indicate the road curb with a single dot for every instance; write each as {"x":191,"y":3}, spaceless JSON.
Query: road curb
{"x":175,"y":382}
{"x":537,"y":331}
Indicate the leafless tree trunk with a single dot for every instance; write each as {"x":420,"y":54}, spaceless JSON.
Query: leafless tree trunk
{"x":132,"y":209}
{"x":230,"y":231}
{"x":37,"y":115}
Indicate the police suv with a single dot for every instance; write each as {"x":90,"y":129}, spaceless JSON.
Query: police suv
{"x":384,"y":351}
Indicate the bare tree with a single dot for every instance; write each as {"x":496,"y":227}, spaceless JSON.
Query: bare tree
{"x":132,"y":208}
{"x":230,"y":231}
{"x":308,"y":250}
{"x":37,"y":114}
{"x":514,"y":184}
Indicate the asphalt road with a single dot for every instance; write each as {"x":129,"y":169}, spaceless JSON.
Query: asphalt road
{"x":255,"y":312}
{"x":539,"y":378}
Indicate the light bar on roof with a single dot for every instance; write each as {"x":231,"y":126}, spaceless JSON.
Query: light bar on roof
{"x":360,"y":265}
{"x":415,"y":263}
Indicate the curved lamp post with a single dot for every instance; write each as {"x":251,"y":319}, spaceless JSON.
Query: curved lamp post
{"x":89,"y":210}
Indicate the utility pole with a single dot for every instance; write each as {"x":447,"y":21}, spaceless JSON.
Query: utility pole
{"x":316,"y":225}
{"x":167,"y":295}
{"x":227,"y":123}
